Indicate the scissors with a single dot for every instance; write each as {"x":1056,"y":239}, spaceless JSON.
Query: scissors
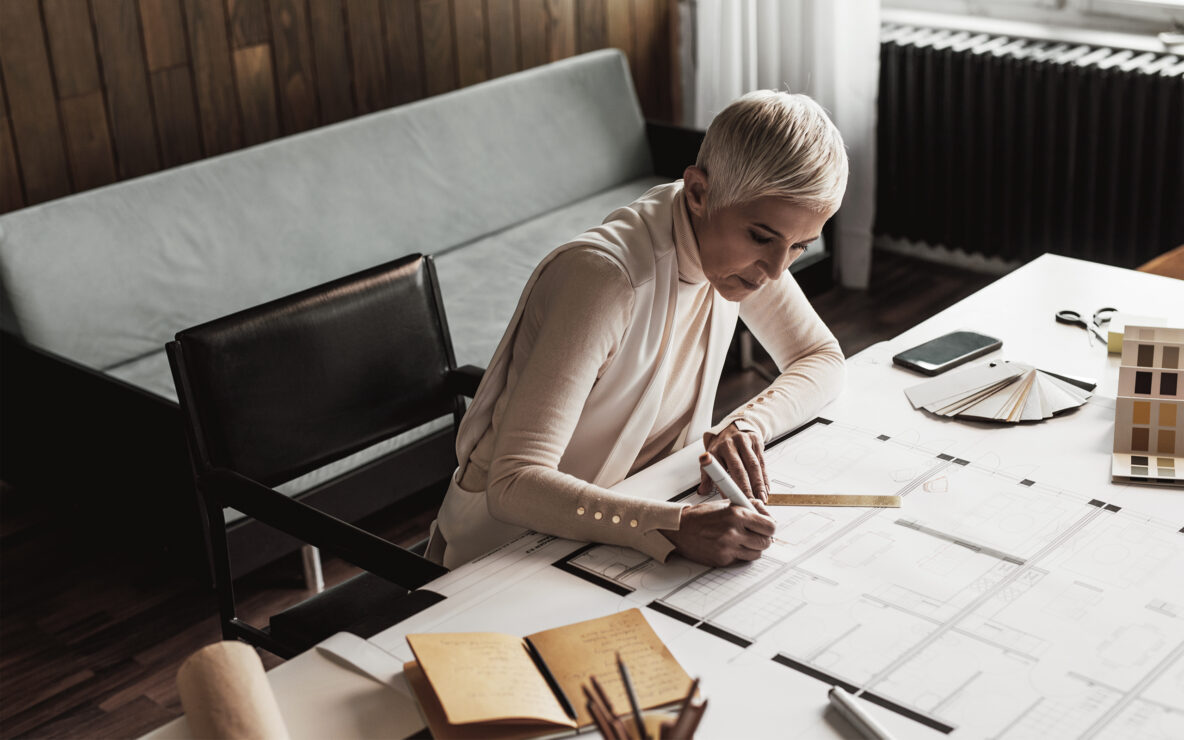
{"x":1101,"y":318}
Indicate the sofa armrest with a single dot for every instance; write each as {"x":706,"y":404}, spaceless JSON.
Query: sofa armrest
{"x":465,"y":379}
{"x":672,"y":148}
{"x":67,"y":432}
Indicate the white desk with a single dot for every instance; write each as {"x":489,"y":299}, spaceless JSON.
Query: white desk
{"x":517,"y":590}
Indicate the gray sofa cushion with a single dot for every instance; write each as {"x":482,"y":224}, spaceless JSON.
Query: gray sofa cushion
{"x":109,"y":275}
{"x":482,"y":281}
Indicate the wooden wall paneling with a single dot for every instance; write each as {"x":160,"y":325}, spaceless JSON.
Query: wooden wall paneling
{"x":331,"y":60}
{"x":371,"y":83}
{"x":164,"y":34}
{"x":592,"y":25}
{"x":618,"y":21}
{"x":71,"y":46}
{"x":619,"y":31}
{"x":84,"y":119}
{"x":472,"y":57}
{"x":12,"y":195}
{"x":81,"y":103}
{"x":133,"y":125}
{"x":36,"y":132}
{"x":221,"y":129}
{"x":502,"y":20}
{"x":176,"y":117}
{"x":166,"y":51}
{"x":561,"y":35}
{"x":249,"y":24}
{"x":674,"y":60}
{"x":295,"y":83}
{"x":533,"y":25}
{"x":652,"y":69}
{"x":403,"y":48}
{"x":439,"y":50}
{"x":256,"y":93}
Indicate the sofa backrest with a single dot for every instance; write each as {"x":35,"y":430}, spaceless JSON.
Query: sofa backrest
{"x":109,"y":275}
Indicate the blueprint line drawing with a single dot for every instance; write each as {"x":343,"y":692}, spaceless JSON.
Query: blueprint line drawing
{"x":990,"y":605}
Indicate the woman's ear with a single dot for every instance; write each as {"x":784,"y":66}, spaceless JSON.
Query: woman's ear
{"x":695,"y":190}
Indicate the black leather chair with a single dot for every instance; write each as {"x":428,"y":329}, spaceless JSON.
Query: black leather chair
{"x":273,"y":392}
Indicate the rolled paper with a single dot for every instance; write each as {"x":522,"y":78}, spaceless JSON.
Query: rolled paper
{"x":226,"y":694}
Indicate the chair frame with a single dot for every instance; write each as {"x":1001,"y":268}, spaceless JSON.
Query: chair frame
{"x":218,"y":488}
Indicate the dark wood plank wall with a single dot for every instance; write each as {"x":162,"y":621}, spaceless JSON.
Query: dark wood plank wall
{"x":95,"y":91}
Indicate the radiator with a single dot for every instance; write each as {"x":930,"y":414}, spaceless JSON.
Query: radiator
{"x":1010,"y":148}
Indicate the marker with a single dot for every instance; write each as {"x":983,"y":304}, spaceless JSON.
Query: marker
{"x":724,"y":482}
{"x":845,"y":705}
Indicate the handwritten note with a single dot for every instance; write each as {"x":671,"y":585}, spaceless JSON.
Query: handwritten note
{"x":481,"y":676}
{"x":585,"y":649}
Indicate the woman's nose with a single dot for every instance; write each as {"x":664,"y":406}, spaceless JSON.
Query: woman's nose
{"x":777,"y":265}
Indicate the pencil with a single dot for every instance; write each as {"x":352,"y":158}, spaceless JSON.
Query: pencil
{"x":632,"y":698}
{"x":544,"y":669}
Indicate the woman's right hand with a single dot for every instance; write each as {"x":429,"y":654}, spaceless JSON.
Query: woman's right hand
{"x":716,"y":533}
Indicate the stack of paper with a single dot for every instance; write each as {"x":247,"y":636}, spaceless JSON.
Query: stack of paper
{"x":998,"y":391}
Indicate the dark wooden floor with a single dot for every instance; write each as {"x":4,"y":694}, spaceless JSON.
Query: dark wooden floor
{"x":90,"y":640}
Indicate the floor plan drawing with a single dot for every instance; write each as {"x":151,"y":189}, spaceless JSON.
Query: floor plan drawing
{"x":988,"y":605}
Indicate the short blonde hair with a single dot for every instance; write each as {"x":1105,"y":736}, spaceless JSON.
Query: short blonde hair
{"x":770,"y":143}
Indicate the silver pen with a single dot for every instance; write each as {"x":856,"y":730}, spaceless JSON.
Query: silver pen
{"x":846,"y":705}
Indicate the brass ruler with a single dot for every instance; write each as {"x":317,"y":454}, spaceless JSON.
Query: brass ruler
{"x":833,"y":499}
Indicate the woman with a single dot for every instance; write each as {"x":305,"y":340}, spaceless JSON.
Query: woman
{"x":612,"y":358}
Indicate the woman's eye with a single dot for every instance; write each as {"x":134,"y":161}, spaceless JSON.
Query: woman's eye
{"x":760,"y":238}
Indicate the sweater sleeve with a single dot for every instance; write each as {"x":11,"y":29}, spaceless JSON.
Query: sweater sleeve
{"x":574,"y":320}
{"x":807,"y":354}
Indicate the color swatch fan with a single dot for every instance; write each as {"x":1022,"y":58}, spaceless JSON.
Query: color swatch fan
{"x":1149,"y":409}
{"x":1000,"y":391}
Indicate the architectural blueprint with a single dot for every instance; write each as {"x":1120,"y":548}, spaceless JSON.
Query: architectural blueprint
{"x":989,"y":604}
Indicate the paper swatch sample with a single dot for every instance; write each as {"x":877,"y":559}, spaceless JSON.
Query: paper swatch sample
{"x":1149,"y":409}
{"x":999,"y":391}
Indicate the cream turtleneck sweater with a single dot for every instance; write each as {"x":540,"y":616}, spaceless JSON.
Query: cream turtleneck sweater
{"x":570,"y":330}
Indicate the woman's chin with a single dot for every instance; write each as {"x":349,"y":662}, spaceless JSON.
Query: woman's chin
{"x":733,"y":289}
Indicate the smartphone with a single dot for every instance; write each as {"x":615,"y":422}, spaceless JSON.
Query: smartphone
{"x":947,"y":351}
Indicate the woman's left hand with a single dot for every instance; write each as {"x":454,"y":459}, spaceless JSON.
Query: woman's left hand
{"x":743,"y":454}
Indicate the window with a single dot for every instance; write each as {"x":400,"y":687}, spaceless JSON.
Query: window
{"x":1149,"y":17}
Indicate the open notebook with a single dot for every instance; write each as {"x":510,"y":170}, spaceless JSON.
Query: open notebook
{"x":488,"y":685}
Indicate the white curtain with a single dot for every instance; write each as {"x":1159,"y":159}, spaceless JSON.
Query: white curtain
{"x":827,"y":49}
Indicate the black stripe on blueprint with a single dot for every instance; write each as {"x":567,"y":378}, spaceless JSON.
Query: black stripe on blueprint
{"x":1097,"y":503}
{"x":711,"y":629}
{"x":812,"y":672}
{"x":915,"y":716}
{"x":564,"y":564}
{"x":1112,"y":507}
{"x":873,"y":698}
{"x":673,"y":613}
{"x":792,"y":432}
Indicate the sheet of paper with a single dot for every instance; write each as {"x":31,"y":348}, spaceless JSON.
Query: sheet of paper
{"x":433,"y":713}
{"x":961,"y":402}
{"x":960,"y":381}
{"x":996,"y":602}
{"x":575,"y":652}
{"x":483,"y":676}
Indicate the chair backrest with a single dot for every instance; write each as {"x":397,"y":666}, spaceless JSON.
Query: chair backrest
{"x":283,"y":388}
